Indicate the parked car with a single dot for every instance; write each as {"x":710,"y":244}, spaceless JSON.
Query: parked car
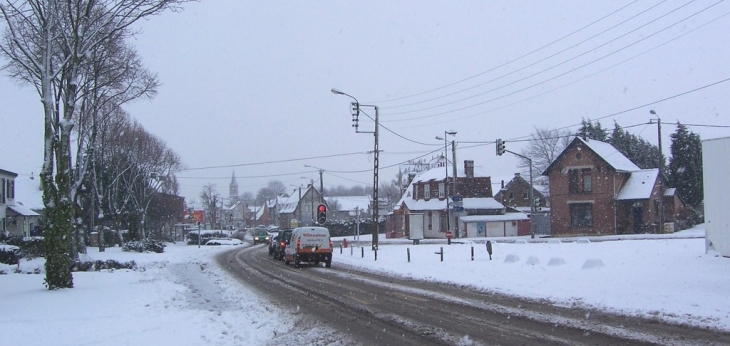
{"x":281,"y":239}
{"x":260,"y":236}
{"x":309,"y":244}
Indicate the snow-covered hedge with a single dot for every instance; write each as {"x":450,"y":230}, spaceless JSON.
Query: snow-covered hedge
{"x":101,"y":265}
{"x":144,"y":245}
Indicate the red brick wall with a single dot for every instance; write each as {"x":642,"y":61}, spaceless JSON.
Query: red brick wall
{"x":606,"y":184}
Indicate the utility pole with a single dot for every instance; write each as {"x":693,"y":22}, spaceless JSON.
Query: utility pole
{"x":453,"y":185}
{"x":661,"y":176}
{"x":321,"y":187}
{"x":355,"y":110}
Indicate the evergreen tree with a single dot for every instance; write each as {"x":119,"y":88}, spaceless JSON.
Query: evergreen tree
{"x":590,"y":131}
{"x":638,"y":150}
{"x":685,"y":167}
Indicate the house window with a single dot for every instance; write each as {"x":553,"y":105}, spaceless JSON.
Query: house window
{"x":427,"y":191}
{"x":442,"y":190}
{"x":524,"y":195}
{"x":573,"y":180}
{"x":581,"y":215}
{"x":580,"y":181}
{"x":587,"y":180}
{"x":511,"y":196}
{"x":415,"y":192}
{"x":2,"y":193}
{"x":430,"y":221}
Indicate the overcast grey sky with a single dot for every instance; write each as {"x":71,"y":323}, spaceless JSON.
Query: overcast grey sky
{"x":245,"y":83}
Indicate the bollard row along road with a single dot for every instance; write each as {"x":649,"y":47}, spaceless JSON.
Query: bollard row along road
{"x":369,"y":309}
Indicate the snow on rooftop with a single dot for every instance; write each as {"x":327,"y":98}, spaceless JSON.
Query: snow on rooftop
{"x":640,"y":185}
{"x":28,"y":192}
{"x":612,"y":156}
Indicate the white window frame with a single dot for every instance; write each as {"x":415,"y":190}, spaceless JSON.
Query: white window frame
{"x":442,"y":190}
{"x":427,"y":191}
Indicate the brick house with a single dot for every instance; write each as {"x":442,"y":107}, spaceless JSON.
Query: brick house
{"x":426,"y":195}
{"x":596,"y":190}
{"x":515,"y":193}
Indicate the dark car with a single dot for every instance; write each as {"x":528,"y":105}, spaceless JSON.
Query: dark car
{"x":281,"y":239}
{"x":260,"y":236}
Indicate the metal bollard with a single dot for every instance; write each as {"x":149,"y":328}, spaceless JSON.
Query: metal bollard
{"x":362,"y":251}
{"x":376,"y":254}
{"x":351,"y":250}
{"x":472,"y":253}
{"x":409,"y":254}
{"x":442,"y":254}
{"x":340,"y":248}
{"x":489,"y":249}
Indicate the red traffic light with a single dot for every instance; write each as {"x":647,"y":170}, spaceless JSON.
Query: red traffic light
{"x":322,"y":214}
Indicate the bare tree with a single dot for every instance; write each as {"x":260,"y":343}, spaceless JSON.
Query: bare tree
{"x":210,"y":198}
{"x":47,"y":44}
{"x":543,"y":148}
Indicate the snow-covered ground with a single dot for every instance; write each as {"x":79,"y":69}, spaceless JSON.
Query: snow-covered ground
{"x":181,"y":297}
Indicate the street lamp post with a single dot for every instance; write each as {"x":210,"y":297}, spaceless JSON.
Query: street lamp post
{"x":355,"y":118}
{"x":446,"y":180}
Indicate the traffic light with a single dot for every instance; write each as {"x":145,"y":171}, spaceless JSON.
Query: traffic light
{"x":322,"y":214}
{"x":500,"y":147}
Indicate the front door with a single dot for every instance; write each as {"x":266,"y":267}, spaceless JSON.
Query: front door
{"x":638,"y":218}
{"x":481,"y":229}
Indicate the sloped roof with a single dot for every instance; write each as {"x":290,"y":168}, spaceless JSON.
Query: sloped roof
{"x":436,"y":204}
{"x":439,"y":173}
{"x":640,"y":185}
{"x":605,"y":151}
{"x":28,"y":192}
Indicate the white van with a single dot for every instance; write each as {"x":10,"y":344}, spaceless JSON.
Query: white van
{"x":309,"y":244}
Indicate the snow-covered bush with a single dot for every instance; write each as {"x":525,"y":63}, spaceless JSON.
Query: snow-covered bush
{"x":9,"y":254}
{"x":144,"y":245}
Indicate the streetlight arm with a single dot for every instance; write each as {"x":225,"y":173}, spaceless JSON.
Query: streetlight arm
{"x":338,"y":92}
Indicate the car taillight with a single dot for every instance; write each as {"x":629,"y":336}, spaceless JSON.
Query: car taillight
{"x":282,"y":244}
{"x":330,"y":240}
{"x":299,"y":244}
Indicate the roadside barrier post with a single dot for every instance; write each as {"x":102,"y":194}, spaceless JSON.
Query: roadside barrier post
{"x":472,"y":253}
{"x":340,"y":248}
{"x":489,"y":249}
{"x":376,"y":254}
{"x":408,"y":250}
{"x":362,"y":252}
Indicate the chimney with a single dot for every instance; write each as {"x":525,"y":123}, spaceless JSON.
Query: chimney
{"x":469,"y":168}
{"x":411,"y":176}
{"x":517,"y":174}
{"x":503,"y":183}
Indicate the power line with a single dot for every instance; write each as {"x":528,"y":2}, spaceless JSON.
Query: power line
{"x":542,"y":71}
{"x":530,"y":65}
{"x":509,"y":62}
{"x":570,"y":83}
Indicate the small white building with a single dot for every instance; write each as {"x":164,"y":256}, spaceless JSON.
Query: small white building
{"x":16,"y":217}
{"x":716,"y":176}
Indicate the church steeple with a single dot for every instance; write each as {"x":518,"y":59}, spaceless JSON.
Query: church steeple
{"x":233,"y":188}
